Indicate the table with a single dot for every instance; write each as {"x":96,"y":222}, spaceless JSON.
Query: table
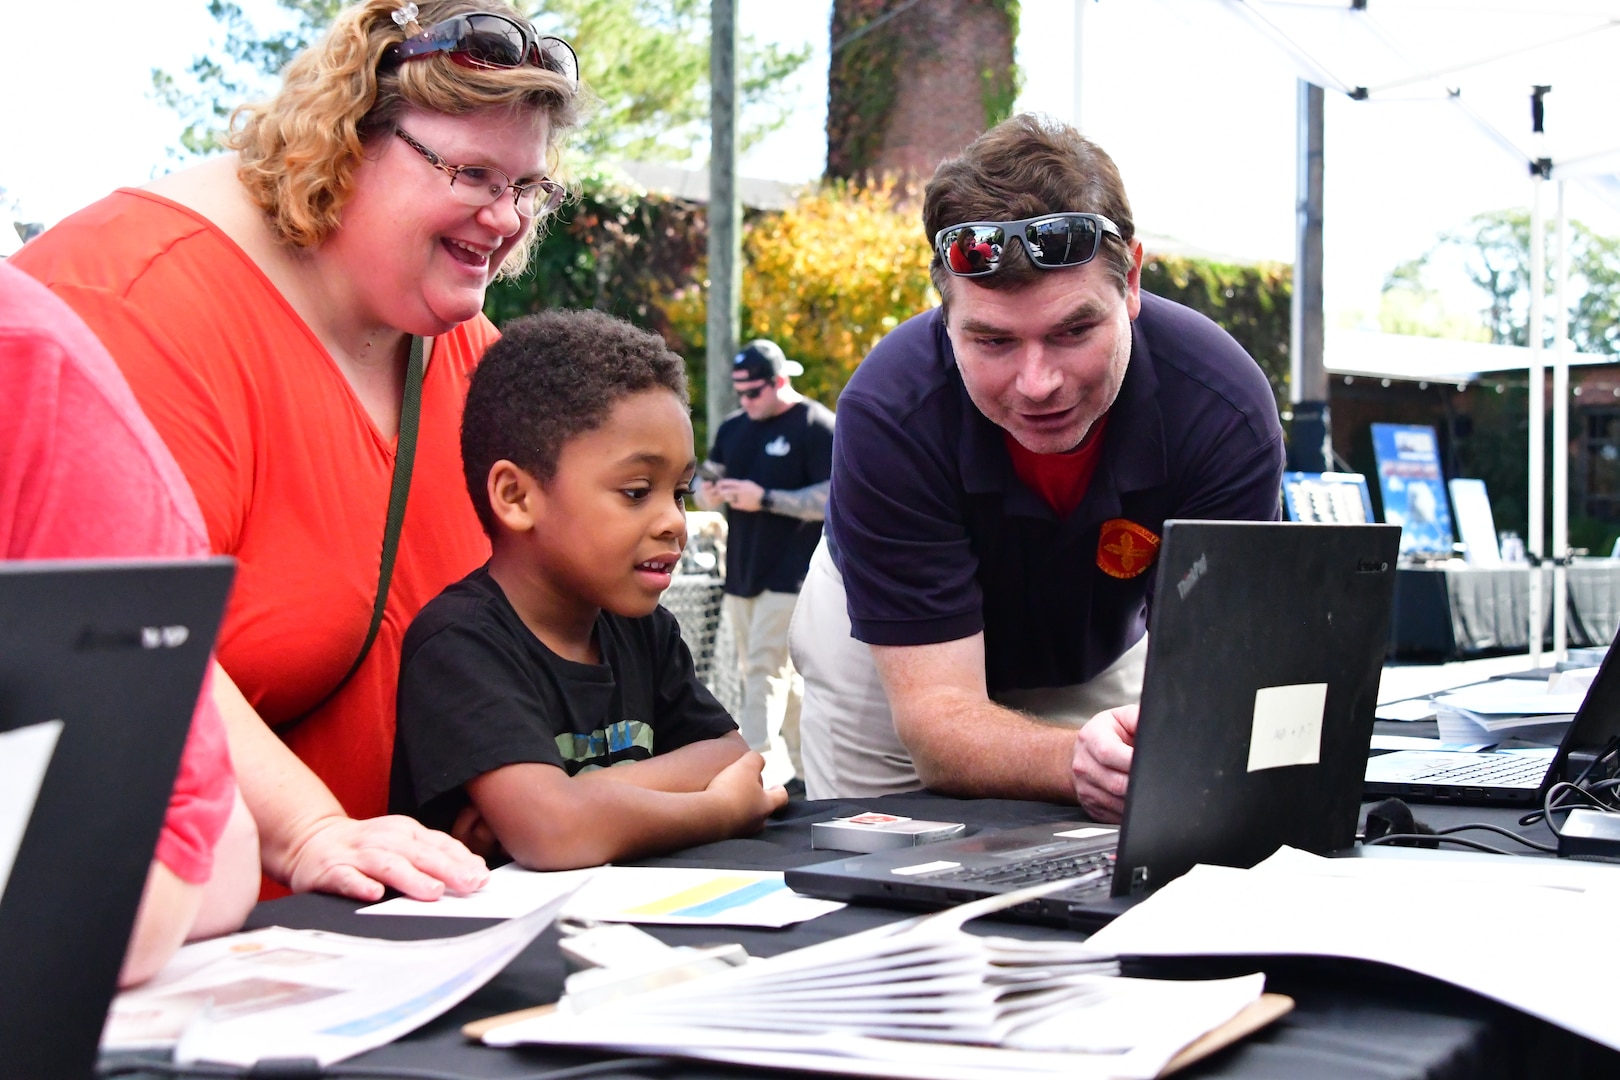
{"x":1454,"y":611}
{"x":1351,"y":1021}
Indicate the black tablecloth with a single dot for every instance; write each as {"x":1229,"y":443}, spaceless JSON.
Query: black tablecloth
{"x":1351,"y":1020}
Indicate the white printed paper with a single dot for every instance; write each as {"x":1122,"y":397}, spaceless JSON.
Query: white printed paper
{"x":510,"y":893}
{"x":1295,"y":904}
{"x":648,"y":895}
{"x":25,"y":755}
{"x":1287,"y":726}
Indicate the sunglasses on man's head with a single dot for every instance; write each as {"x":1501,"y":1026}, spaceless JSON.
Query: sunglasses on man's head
{"x":487,"y":40}
{"x":1052,"y":241}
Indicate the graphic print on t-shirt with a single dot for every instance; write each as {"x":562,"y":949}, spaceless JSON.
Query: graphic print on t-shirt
{"x":620,"y":742}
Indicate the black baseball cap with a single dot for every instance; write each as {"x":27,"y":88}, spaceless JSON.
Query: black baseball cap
{"x":763,"y":359}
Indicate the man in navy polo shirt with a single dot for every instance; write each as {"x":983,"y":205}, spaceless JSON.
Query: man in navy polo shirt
{"x":975,"y":619}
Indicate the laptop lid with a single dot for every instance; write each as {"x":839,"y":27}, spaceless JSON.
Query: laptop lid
{"x":1266,"y":642}
{"x":100,"y":665}
{"x":1590,"y":739}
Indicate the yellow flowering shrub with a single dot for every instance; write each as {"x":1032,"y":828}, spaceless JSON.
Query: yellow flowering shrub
{"x":826,"y":280}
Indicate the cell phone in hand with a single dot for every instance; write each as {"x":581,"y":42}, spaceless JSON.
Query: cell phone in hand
{"x":710,"y":472}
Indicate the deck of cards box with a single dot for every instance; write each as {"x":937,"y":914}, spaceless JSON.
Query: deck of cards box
{"x":879,"y":832}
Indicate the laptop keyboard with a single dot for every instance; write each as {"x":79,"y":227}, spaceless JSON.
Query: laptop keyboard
{"x":1036,"y":870}
{"x":1492,"y":769}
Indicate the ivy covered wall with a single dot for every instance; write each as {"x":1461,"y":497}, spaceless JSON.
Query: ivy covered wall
{"x":912,"y":83}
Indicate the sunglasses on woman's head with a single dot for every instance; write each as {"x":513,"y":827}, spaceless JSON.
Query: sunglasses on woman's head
{"x":1052,"y":241}
{"x":487,"y":40}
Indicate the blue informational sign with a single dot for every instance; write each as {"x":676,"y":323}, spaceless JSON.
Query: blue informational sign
{"x":1414,"y":491}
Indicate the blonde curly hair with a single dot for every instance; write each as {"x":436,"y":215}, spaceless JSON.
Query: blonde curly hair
{"x":299,"y":150}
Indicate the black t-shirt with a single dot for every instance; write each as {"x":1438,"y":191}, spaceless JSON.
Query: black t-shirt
{"x":477,"y":691}
{"x":766,"y":551}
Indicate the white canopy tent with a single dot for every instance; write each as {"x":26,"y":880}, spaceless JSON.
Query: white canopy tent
{"x":1498,"y":65}
{"x":1375,"y":355}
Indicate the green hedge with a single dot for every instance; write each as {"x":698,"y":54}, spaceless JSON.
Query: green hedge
{"x":641,"y":257}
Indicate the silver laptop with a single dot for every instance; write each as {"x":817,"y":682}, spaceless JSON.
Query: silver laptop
{"x":1588,"y":750}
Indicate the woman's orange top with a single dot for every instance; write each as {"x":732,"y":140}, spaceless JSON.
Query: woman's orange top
{"x":291,"y":474}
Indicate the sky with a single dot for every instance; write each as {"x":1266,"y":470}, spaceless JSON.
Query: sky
{"x":1204,"y":136}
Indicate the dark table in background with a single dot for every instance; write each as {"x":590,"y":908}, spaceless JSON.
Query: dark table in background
{"x":1352,"y":1020}
{"x":1451,"y":611}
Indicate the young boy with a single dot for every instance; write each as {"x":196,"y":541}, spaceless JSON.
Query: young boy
{"x":547,"y":696}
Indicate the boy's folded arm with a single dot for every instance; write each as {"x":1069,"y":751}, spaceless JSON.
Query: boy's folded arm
{"x":690,"y":768}
{"x":548,"y":820}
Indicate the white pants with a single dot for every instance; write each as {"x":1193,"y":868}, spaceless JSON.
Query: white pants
{"x":849,"y":744}
{"x":759,"y":626}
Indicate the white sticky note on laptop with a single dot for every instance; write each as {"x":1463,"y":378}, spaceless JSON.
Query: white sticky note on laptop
{"x":1287,"y":726}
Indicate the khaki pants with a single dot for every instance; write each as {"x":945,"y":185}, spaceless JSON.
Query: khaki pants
{"x":759,"y":626}
{"x":850,"y":747}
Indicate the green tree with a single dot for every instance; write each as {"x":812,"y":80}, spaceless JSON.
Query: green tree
{"x":646,"y":60}
{"x":1494,"y":249}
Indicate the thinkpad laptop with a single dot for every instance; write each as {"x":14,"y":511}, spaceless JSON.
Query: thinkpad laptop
{"x":1265,"y":646}
{"x":1589,"y":749}
{"x":100,"y":665}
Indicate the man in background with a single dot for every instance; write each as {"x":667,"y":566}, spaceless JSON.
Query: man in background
{"x":770,"y":465}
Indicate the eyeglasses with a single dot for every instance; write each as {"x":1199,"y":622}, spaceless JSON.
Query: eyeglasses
{"x":487,"y":40}
{"x":750,"y":395}
{"x":481,"y":185}
{"x":974,"y":248}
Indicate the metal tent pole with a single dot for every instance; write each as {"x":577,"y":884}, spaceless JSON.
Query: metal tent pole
{"x":1535,"y":542}
{"x":1560,"y":440}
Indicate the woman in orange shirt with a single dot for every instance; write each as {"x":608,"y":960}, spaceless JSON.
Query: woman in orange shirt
{"x":263,"y":307}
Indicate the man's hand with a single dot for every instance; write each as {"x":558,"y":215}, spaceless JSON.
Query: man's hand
{"x":358,"y":859}
{"x":742,"y":794}
{"x":1102,"y":762}
{"x":740,"y":494}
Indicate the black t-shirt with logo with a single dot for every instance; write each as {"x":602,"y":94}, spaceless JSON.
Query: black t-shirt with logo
{"x":477,"y":690}
{"x":768,"y":552}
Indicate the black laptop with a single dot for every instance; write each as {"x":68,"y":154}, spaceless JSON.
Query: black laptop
{"x":100,"y":665}
{"x":1589,"y":750}
{"x":1265,"y":646}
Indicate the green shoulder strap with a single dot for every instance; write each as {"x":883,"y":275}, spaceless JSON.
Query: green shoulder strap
{"x":410,"y":413}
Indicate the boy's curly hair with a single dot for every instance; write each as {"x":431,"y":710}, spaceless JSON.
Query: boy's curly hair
{"x":552,"y":377}
{"x":299,"y":150}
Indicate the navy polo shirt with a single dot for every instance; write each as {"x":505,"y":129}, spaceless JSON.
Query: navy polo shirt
{"x":937,"y":538}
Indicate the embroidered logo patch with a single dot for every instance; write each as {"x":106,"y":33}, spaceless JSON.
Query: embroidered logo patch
{"x":1125,"y":549}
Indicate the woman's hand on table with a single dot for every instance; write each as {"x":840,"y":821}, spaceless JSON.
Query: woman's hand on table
{"x":358,"y":858}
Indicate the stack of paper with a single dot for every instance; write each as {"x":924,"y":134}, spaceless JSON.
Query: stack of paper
{"x":1476,"y":713}
{"x":923,"y":992}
